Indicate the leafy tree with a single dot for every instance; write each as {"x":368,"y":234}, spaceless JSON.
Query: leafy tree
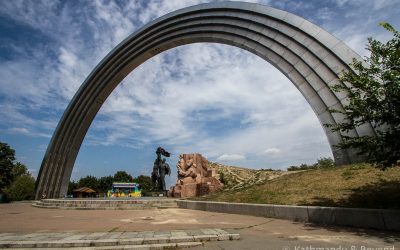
{"x":15,"y":180}
{"x":23,"y":188}
{"x":19,"y":169}
{"x":88,"y":181}
{"x":7,"y":157}
{"x":122,"y":176}
{"x":71,"y":186}
{"x":105,"y":183}
{"x":374,"y":97}
{"x":145,"y":182}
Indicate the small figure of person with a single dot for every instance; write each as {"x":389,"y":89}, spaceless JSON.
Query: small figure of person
{"x":44,"y":195}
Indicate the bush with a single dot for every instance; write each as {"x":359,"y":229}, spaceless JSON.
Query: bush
{"x":222,"y":177}
{"x":321,"y":163}
{"x":293,"y":168}
{"x":23,"y":188}
{"x":325,"y":163}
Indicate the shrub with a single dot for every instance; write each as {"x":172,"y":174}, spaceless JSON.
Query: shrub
{"x":325,"y":163}
{"x":23,"y":188}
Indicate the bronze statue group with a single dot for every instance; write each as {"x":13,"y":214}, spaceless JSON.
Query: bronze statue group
{"x":160,"y":169}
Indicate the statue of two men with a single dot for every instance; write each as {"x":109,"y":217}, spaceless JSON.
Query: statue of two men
{"x":160,"y":169}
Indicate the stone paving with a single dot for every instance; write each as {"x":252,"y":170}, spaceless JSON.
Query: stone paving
{"x":149,"y":239}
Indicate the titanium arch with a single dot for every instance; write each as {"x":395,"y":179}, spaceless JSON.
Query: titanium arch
{"x":309,"y":56}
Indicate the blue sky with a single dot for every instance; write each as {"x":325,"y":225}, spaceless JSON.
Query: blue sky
{"x":217,"y":100}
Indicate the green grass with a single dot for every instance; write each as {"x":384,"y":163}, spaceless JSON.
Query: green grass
{"x":358,"y":185}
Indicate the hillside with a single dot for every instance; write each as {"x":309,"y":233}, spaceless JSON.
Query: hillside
{"x":237,"y":178}
{"x":358,"y":185}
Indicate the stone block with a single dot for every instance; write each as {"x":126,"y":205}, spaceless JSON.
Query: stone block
{"x":303,"y":38}
{"x":223,"y":237}
{"x":321,"y":215}
{"x":345,"y":53}
{"x":296,"y":48}
{"x":334,"y":63}
{"x":314,"y":80}
{"x":285,"y":29}
{"x":177,"y":239}
{"x":310,"y":59}
{"x":307,"y":90}
{"x":365,"y":129}
{"x":296,"y":78}
{"x":327,"y":39}
{"x":365,"y":218}
{"x":309,"y":28}
{"x":234,"y":236}
{"x":201,"y":238}
{"x":282,"y":40}
{"x":293,"y":20}
{"x":272,"y":12}
{"x":391,"y":219}
{"x":339,"y":94}
{"x":328,"y":97}
{"x":286,"y":64}
{"x":295,"y":213}
{"x":303,"y":68}
{"x":324,"y":72}
{"x":317,"y":104}
{"x":318,"y":50}
{"x":265,"y":211}
{"x":188,"y":244}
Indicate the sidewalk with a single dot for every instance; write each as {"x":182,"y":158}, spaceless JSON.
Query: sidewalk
{"x":28,"y":223}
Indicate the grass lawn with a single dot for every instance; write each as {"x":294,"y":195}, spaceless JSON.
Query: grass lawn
{"x":358,"y":185}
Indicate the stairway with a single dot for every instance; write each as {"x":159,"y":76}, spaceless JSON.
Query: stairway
{"x":117,"y":204}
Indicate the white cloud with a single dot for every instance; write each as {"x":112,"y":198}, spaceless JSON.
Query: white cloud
{"x":19,"y":130}
{"x":231,"y":157}
{"x":272,"y":151}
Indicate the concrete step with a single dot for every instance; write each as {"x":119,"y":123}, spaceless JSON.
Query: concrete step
{"x":180,"y":245}
{"x":128,"y":240}
{"x":106,"y":204}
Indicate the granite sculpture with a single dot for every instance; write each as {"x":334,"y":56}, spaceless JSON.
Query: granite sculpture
{"x":195,"y":178}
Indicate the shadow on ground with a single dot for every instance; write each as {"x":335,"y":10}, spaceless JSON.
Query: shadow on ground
{"x":389,"y":237}
{"x":382,"y":194}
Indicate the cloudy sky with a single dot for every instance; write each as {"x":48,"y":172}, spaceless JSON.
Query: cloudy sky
{"x":217,"y":100}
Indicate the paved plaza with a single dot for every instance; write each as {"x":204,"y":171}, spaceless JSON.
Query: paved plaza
{"x":21,"y":221}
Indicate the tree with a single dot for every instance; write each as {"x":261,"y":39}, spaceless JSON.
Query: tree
{"x":105,"y":183}
{"x":145,"y":182}
{"x":23,"y":188}
{"x":122,"y":176}
{"x":19,"y":169}
{"x":72,"y":185}
{"x":374,"y":97}
{"x":88,"y":181}
{"x":7,"y":157}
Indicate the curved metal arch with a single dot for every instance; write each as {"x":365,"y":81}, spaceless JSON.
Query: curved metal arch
{"x":309,"y":56}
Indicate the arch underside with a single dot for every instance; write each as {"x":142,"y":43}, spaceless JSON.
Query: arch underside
{"x":309,"y":56}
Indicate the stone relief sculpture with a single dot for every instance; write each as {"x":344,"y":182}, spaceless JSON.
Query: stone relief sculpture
{"x":194,"y":177}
